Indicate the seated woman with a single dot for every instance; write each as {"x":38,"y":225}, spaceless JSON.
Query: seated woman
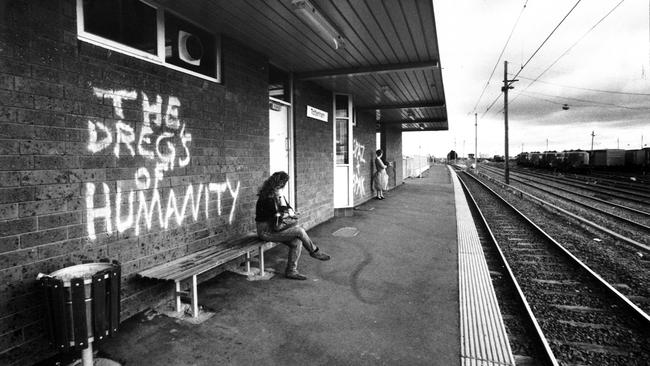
{"x":269,"y":206}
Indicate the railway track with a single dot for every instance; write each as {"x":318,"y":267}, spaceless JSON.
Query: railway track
{"x":582,"y":319}
{"x":617,"y":217}
{"x":622,"y":178}
{"x":629,"y":195}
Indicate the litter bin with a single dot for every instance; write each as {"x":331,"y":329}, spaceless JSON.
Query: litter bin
{"x":83,"y":305}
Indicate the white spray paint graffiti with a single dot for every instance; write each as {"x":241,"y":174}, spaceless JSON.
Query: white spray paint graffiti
{"x":143,"y":196}
{"x":358,"y":180}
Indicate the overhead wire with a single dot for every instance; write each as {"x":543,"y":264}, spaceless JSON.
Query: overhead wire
{"x":536,"y":51}
{"x":585,"y":89}
{"x":547,"y":38}
{"x":566,"y":51}
{"x":592,"y":102}
{"x":496,"y":64}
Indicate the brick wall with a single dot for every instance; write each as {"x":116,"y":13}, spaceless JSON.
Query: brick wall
{"x":314,"y":150}
{"x":58,"y":169}
{"x":391,"y":144}
{"x":363,"y":157}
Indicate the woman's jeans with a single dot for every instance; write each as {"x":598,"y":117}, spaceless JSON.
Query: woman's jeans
{"x":293,"y":237}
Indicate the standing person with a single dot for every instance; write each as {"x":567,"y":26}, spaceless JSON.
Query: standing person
{"x":271,"y":205}
{"x":381,"y":177}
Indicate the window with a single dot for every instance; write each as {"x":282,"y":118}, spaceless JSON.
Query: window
{"x":143,"y":30}
{"x":342,"y":115}
{"x":279,"y":84}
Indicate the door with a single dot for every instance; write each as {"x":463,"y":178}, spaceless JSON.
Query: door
{"x":342,"y":151}
{"x":279,"y":143}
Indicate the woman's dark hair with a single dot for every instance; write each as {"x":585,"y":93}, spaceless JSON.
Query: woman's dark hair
{"x":276,"y":180}
{"x":378,"y":152}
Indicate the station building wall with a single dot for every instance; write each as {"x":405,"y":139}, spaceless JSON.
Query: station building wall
{"x":69,"y":193}
{"x":393,"y":148}
{"x":314,"y":150}
{"x":363,"y":156}
{"x":391,"y":143}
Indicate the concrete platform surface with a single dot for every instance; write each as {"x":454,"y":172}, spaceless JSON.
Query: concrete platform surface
{"x":389,"y":296}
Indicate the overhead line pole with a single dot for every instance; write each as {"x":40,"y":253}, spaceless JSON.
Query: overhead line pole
{"x":476,"y":142}
{"x":504,"y":89}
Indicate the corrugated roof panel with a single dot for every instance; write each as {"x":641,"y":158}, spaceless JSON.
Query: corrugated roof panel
{"x":393,"y":34}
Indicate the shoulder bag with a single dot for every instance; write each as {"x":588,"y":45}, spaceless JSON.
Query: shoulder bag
{"x":283,"y":220}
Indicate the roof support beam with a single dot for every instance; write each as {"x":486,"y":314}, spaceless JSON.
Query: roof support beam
{"x":366,"y":70}
{"x":424,"y":104}
{"x":421,"y":120}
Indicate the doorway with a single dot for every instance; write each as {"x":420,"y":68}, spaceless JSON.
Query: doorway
{"x":343,"y":164}
{"x":280,"y":128}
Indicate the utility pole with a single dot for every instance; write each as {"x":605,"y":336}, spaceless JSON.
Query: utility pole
{"x":476,"y":142}
{"x":592,"y":140}
{"x":504,"y":89}
{"x":547,"y":144}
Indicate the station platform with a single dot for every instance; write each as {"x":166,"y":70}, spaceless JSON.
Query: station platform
{"x":390,"y":295}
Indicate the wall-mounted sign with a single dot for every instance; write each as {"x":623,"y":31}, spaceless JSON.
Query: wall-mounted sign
{"x":275,"y":106}
{"x":316,"y":113}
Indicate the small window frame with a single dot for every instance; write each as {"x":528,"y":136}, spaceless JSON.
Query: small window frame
{"x":159,"y":59}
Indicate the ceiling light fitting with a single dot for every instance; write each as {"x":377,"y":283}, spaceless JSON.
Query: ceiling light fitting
{"x":410,"y":115}
{"x":308,"y":13}
{"x":388,"y":92}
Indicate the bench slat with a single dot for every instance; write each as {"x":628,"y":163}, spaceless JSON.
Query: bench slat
{"x":204,"y":260}
{"x":191,"y":261}
{"x":207,"y":265}
{"x":155,"y":271}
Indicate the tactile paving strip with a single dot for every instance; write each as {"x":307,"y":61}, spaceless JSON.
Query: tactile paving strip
{"x":483,"y":336}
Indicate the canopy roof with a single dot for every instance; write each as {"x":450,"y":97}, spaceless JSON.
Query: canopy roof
{"x":383,"y":52}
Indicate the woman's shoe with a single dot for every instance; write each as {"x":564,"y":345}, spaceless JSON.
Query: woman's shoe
{"x":319,"y":255}
{"x":294,"y":275}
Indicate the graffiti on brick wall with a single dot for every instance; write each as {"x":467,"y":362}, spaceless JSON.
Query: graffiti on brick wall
{"x":358,"y":179}
{"x":163,"y":141}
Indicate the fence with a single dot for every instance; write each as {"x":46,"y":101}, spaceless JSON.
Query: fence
{"x":413,"y":166}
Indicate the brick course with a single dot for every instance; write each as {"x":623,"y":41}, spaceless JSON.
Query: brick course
{"x":47,"y":81}
{"x":314,"y":151}
{"x":365,"y":141}
{"x":58,"y":105}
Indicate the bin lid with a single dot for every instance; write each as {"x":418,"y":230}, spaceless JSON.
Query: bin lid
{"x":85,"y":271}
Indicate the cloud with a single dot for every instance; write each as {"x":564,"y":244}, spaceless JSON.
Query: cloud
{"x":613,"y":56}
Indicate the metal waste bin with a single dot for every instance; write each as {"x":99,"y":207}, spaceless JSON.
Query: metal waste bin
{"x":83,"y":304}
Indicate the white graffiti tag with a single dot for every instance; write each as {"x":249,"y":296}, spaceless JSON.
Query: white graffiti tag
{"x":358,"y":180}
{"x":162,"y":138}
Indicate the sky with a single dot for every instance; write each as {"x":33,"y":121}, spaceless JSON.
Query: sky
{"x":602,"y":75}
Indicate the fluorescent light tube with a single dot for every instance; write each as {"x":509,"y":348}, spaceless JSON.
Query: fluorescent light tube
{"x":305,"y":10}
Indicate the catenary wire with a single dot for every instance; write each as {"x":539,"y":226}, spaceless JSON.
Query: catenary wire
{"x":587,"y":89}
{"x":534,"y":53}
{"x":496,"y":64}
{"x":567,"y":51}
{"x":528,"y":93}
{"x":547,"y":38}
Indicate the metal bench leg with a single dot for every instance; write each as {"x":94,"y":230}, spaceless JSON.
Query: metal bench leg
{"x":261,"y":253}
{"x":248,"y":263}
{"x":178,"y":296}
{"x":195,"y":298}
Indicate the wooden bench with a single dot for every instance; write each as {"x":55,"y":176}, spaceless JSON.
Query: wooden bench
{"x":194,"y":264}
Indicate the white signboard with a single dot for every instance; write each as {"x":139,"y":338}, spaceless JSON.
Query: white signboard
{"x":316,"y":113}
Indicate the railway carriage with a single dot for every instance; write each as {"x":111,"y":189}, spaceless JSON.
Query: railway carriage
{"x":607,"y":158}
{"x":576,"y":160}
